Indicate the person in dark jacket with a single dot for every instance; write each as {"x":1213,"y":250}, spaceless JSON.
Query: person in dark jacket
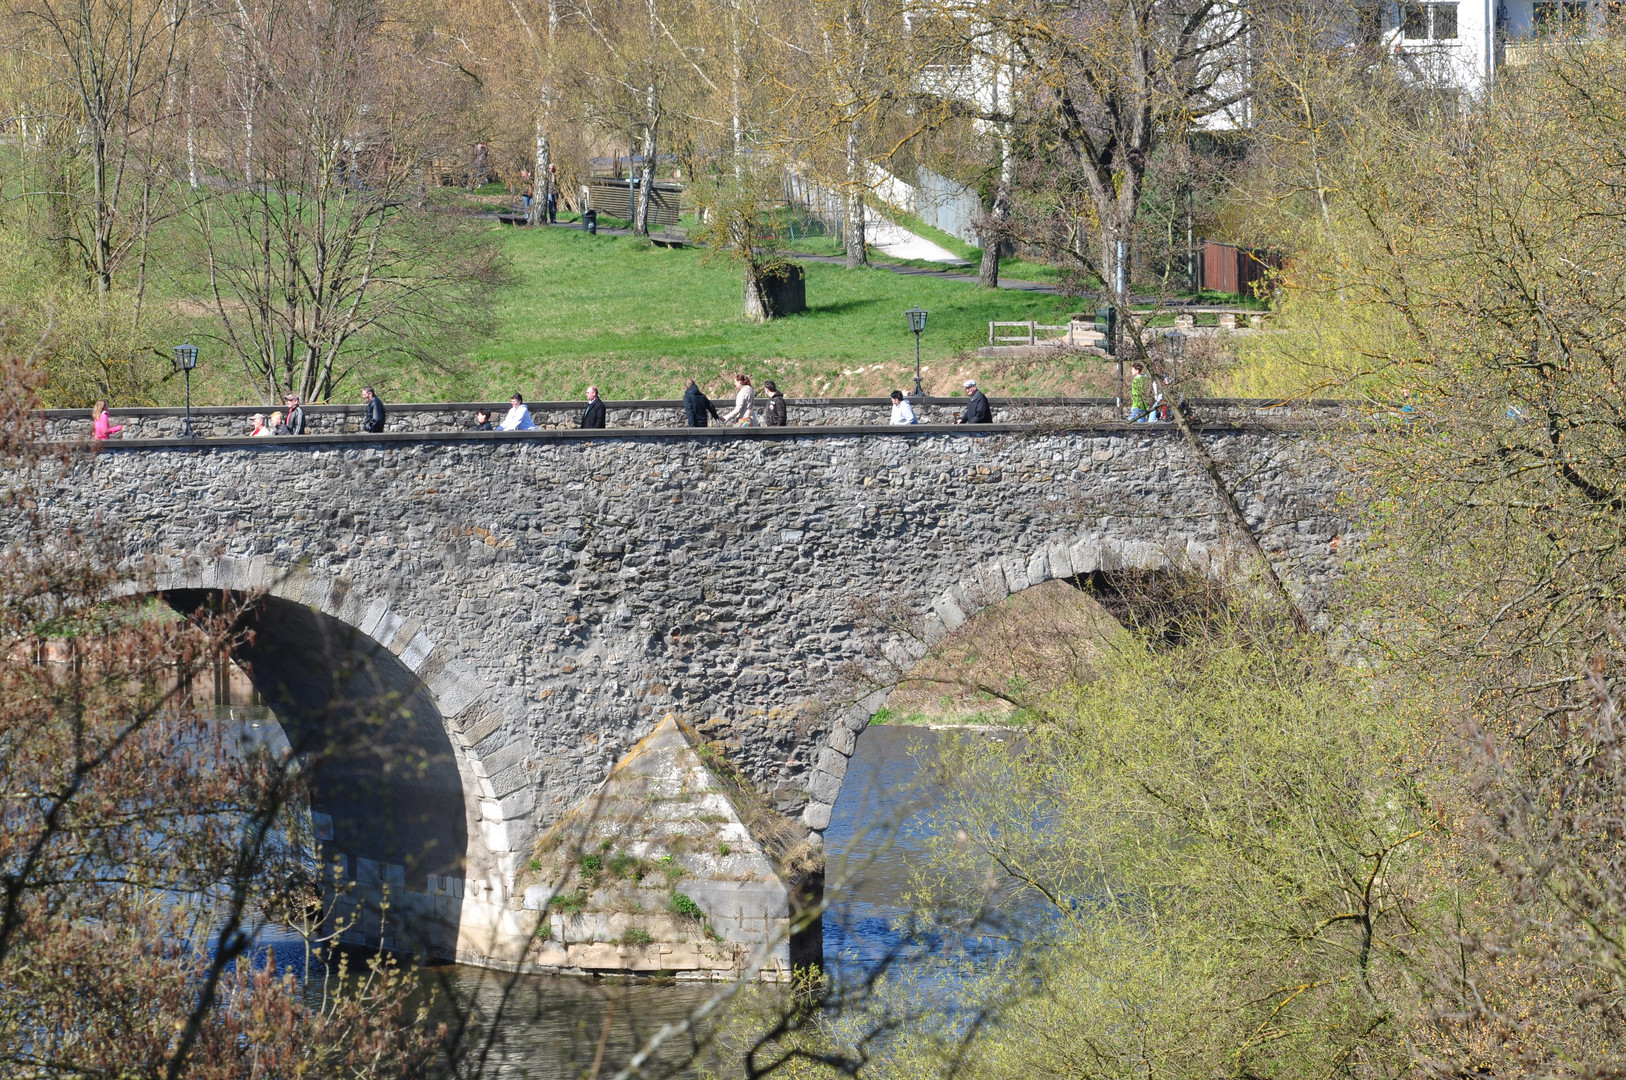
{"x":697,"y":405}
{"x":295,"y":416}
{"x":776,"y":405}
{"x":593,"y":416}
{"x":482,"y":420}
{"x":374,"y":420}
{"x":976,"y":410}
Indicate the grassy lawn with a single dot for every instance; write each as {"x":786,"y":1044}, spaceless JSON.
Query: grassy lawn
{"x":637,"y":320}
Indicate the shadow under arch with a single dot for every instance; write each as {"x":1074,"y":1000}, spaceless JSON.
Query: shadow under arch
{"x":1088,"y":561}
{"x":388,"y":795}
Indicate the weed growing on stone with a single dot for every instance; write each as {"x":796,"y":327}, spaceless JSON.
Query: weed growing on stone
{"x":781,"y":840}
{"x":573,"y":903}
{"x":591,"y":865}
{"x":635,"y":936}
{"x":683,"y":904}
{"x":626,"y":866}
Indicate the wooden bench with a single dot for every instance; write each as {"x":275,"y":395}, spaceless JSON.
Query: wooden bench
{"x":673,"y":236}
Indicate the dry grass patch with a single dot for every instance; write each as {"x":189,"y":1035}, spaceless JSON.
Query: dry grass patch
{"x":1006,"y":657}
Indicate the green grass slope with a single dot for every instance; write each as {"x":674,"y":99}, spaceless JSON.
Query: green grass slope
{"x":637,"y":320}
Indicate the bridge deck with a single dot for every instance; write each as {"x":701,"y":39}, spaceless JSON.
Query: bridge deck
{"x":842,"y":416}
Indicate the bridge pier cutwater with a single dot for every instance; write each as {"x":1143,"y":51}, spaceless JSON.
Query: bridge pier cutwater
{"x":483,"y":627}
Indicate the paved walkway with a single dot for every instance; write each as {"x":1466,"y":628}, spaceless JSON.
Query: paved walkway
{"x":893,"y":239}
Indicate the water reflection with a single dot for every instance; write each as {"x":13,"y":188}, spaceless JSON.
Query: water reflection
{"x":542,"y":1027}
{"x":877,"y":837}
{"x":551,"y":1027}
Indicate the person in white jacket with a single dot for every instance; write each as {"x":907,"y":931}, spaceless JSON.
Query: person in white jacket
{"x":902,"y":411}
{"x":519,"y":416}
{"x":744,"y":412}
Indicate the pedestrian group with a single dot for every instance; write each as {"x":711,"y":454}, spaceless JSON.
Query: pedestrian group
{"x":769,"y":409}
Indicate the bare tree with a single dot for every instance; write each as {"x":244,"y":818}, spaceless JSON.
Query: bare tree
{"x":112,"y":67}
{"x":1105,"y":85}
{"x":326,"y":260}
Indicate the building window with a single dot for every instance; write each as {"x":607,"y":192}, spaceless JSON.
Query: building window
{"x":1428,"y":22}
{"x":1552,"y":17}
{"x":1445,"y":22}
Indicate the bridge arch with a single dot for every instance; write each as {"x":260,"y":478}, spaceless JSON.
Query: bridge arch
{"x":412,"y":796}
{"x":980,"y":587}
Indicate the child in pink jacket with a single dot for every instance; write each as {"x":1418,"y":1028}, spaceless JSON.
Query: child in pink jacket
{"x":102,"y":427}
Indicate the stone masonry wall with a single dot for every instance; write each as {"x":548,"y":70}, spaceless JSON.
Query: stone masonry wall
{"x":584,"y":585}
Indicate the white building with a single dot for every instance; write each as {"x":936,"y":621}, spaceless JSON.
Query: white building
{"x":1463,"y":43}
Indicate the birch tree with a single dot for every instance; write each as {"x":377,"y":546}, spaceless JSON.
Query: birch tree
{"x":632,"y":66}
{"x":847,"y":70}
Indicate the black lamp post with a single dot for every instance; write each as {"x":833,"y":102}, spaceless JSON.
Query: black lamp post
{"x":917,"y":324}
{"x":186,"y":358}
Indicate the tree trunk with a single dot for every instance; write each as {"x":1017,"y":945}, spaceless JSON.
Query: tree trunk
{"x":737,"y":76}
{"x":992,"y":234}
{"x":756,"y":305}
{"x":191,"y":130}
{"x":853,"y":212}
{"x":646,"y":175}
{"x":541,"y":179}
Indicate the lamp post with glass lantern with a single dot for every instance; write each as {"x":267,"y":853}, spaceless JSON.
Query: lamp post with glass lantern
{"x":186,"y":358}
{"x":917,"y":324}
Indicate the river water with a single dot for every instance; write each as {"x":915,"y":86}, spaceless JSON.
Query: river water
{"x":551,"y":1025}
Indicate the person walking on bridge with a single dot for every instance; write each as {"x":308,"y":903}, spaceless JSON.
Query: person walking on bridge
{"x":1140,"y":394}
{"x":744,"y":413}
{"x":902,"y":411}
{"x":374,"y":420}
{"x":977,"y":410}
{"x":776,"y":405}
{"x":295,"y":416}
{"x":102,"y":427}
{"x":593,"y":415}
{"x":518,"y":417}
{"x":696,"y":405}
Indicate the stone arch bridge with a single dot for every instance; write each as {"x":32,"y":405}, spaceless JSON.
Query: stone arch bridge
{"x":535,"y":603}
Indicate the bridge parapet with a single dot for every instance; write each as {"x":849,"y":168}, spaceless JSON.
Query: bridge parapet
{"x":233,"y":421}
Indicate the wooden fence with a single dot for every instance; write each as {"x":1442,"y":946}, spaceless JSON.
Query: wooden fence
{"x":1030,"y":336}
{"x":615,"y":197}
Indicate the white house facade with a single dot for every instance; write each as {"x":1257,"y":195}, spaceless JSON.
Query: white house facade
{"x":1463,"y":43}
